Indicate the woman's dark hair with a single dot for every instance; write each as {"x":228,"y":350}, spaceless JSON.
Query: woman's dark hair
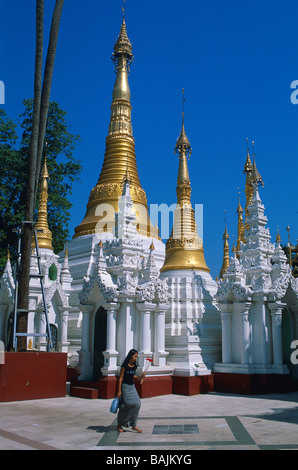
{"x":131,"y":353}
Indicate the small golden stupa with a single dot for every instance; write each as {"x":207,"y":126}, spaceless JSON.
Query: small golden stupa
{"x":184,"y":248}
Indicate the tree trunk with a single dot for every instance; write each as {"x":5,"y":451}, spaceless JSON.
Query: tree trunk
{"x":40,"y":112}
{"x":27,"y":229}
{"x":47,"y":84}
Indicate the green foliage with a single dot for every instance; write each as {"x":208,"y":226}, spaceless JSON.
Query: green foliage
{"x":64,"y":169}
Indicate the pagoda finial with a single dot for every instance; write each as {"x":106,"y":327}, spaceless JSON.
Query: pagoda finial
{"x":122,"y":55}
{"x":183,"y":100}
{"x":183,"y":148}
{"x":152,"y":247}
{"x":255,"y":175}
{"x":234,"y":248}
{"x":226,"y":250}
{"x":182,"y":143}
{"x":44,"y":235}
{"x":240,"y":226}
{"x":184,"y":248}
{"x":126,"y":177}
{"x":248,"y":164}
{"x":248,"y":167}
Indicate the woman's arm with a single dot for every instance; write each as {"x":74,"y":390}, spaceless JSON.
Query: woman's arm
{"x":120,"y":381}
{"x":138,"y":378}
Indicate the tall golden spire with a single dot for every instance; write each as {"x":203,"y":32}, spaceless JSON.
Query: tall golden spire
{"x":184,"y":248}
{"x":120,"y":156}
{"x":44,"y":235}
{"x":226,"y":253}
{"x":240,"y":227}
{"x":248,"y":186}
{"x":252,"y":176}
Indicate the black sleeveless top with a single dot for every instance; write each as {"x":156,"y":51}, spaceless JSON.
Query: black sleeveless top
{"x":129,"y":373}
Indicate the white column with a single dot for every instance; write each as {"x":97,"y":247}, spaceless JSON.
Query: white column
{"x":226,"y":334}
{"x":262,"y":310}
{"x":243,"y":309}
{"x":145,"y":335}
{"x":145,"y":349}
{"x":276,"y":314}
{"x":85,"y":352}
{"x":42,"y":340}
{"x":86,"y":311}
{"x":63,"y":340}
{"x":160,"y":354}
{"x":110,"y":354}
{"x":111,"y":325}
{"x":261,"y":330}
{"x":245,"y":337}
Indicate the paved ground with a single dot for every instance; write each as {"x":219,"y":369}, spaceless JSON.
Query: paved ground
{"x":169,"y":423}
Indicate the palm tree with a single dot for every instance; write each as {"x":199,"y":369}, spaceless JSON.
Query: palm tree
{"x":42,"y":90}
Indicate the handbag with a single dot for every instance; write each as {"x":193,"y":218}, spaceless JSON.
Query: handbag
{"x":114,"y":405}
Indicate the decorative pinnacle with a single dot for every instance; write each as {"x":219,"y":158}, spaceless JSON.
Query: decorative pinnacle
{"x":123,"y":46}
{"x":233,"y":247}
{"x":255,"y":175}
{"x":183,"y":100}
{"x":248,"y":164}
{"x":152,"y":247}
{"x":226,"y":250}
{"x":126,"y":177}
{"x":239,"y":208}
{"x":182,"y":141}
{"x":225,"y":235}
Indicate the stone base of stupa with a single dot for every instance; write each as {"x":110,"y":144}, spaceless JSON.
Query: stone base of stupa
{"x":253,"y":381}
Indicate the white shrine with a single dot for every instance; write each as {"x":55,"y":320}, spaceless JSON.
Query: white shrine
{"x":117,"y":286}
{"x":258,"y":300}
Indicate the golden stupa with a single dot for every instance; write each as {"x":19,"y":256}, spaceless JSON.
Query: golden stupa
{"x":240,"y":228}
{"x":252,"y":176}
{"x":120,"y":157}
{"x":44,"y":235}
{"x":226,"y":254}
{"x":184,"y":248}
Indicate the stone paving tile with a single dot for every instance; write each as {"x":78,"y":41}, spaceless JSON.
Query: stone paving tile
{"x":212,"y":421}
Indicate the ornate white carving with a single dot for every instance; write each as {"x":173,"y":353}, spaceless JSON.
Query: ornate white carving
{"x":156,"y":290}
{"x":109,"y":292}
{"x":7,"y":281}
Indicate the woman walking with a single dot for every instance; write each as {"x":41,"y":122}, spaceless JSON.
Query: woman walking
{"x":129,"y":412}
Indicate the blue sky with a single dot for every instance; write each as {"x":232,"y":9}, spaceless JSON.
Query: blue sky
{"x":236,"y":61}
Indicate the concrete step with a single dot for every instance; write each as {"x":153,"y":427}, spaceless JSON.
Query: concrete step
{"x":84,"y":392}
